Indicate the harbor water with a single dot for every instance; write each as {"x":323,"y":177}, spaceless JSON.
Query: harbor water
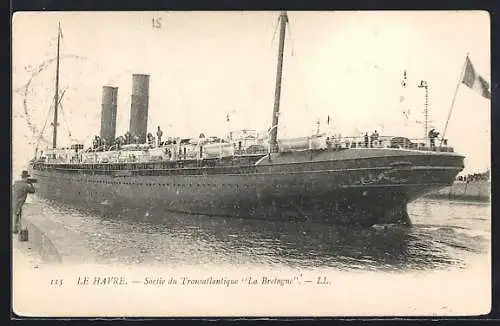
{"x":445,"y":235}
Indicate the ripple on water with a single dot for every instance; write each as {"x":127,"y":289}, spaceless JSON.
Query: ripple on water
{"x":444,"y":235}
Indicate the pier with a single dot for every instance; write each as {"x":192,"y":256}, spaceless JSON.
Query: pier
{"x":473,"y":191}
{"x":49,"y":241}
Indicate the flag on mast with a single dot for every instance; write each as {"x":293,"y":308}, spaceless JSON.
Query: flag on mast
{"x":475,"y":81}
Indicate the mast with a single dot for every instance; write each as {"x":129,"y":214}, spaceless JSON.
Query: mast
{"x":56,"y":96}
{"x":425,"y":86}
{"x":277,"y":94}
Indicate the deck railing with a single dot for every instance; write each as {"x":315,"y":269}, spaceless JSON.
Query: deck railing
{"x":389,"y":142}
{"x":337,"y":142}
{"x":316,"y":142}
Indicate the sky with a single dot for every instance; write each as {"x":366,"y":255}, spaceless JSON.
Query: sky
{"x":207,"y":65}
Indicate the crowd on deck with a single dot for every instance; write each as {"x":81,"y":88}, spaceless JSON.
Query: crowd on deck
{"x":485,"y":176}
{"x":99,"y":143}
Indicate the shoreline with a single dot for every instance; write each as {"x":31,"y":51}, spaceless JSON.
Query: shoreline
{"x":476,"y":191}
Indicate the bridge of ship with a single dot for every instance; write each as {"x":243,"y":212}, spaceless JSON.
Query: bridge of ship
{"x":203,"y":150}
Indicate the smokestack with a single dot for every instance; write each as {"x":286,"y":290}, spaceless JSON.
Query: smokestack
{"x":108,"y":113}
{"x":139,"y":107}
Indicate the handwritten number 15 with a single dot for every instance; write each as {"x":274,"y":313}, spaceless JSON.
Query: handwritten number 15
{"x":157,"y":22}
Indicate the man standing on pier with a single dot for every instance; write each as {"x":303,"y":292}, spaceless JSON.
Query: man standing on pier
{"x":21,"y":190}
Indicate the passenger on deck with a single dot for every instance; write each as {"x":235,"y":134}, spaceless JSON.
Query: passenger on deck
{"x":159,"y":134}
{"x":366,"y":140}
{"x":374,"y":138}
{"x":168,"y":152}
{"x":432,"y":137}
{"x":119,"y":142}
{"x":95,"y":142}
{"x":128,"y":137}
{"x":150,"y":138}
{"x":337,"y":141}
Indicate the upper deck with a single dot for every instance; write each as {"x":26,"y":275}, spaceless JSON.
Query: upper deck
{"x":210,"y":152}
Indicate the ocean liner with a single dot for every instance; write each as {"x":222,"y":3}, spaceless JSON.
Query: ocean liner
{"x":319,"y":178}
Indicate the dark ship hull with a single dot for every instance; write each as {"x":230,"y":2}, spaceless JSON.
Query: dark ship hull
{"x":349,"y":186}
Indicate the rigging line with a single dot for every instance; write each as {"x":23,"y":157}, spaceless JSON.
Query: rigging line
{"x":65,"y":121}
{"x":297,"y":62}
{"x":289,"y":31}
{"x":35,"y":71}
{"x":45,"y":124}
{"x":62,"y":112}
{"x":26,"y":89}
{"x":275,"y":29}
{"x":40,"y":137}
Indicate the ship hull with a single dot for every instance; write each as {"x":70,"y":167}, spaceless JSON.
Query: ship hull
{"x":350,"y":187}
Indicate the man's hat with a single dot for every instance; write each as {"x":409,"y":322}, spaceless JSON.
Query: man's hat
{"x":24,"y":174}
